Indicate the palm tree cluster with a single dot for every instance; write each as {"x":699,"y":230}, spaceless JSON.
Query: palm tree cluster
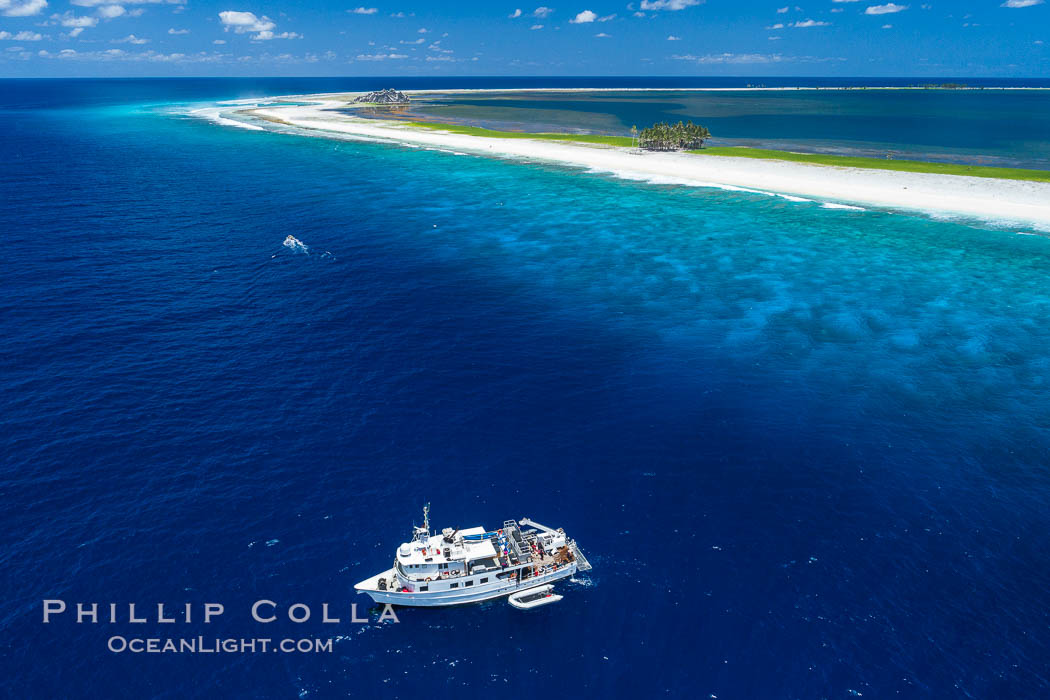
{"x":673,"y":137}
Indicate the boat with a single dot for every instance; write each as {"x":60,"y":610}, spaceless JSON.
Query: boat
{"x":458,"y":566}
{"x":534,"y":597}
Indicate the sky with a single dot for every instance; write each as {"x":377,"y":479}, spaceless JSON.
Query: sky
{"x":838,"y":38}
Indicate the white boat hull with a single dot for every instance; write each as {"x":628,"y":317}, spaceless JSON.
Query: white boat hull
{"x":476,"y":594}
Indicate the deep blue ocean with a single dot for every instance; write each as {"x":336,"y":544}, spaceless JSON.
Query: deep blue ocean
{"x":806,"y":449}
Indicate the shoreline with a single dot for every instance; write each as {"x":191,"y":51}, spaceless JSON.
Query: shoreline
{"x":1012,"y":203}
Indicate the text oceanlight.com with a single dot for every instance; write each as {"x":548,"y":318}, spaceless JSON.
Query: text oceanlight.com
{"x":261,"y":612}
{"x":202,"y":645}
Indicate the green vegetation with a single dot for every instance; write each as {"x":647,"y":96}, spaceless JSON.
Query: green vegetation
{"x":911,"y":166}
{"x":673,"y":137}
{"x":492,"y":134}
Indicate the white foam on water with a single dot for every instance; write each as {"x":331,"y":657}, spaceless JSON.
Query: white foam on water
{"x":214,"y":114}
{"x":833,"y":205}
{"x":294,"y":244}
{"x":791,"y":197}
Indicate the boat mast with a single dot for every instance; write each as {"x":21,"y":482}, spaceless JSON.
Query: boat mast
{"x":422,"y":534}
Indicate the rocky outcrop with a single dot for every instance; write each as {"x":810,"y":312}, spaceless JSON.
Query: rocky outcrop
{"x":384,"y":97}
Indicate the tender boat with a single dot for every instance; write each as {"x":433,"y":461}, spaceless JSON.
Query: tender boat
{"x":474,"y":564}
{"x":534,"y":597}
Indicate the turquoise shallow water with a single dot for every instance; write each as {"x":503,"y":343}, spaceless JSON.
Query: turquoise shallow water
{"x":805,"y":448}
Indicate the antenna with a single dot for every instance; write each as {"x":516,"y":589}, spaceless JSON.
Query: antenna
{"x":426,"y":518}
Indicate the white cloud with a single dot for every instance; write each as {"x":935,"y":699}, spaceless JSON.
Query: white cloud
{"x":602,"y":35}
{"x":515,"y":14}
{"x":147,"y":56}
{"x":782,"y":10}
{"x":422,"y":30}
{"x":380,"y":56}
{"x":751,"y":58}
{"x":887,"y":26}
{"x":131,"y":39}
{"x":887,"y":9}
{"x":730,"y":58}
{"x":261,"y":28}
{"x":778,"y":25}
{"x":74,"y":33}
{"x":1021,"y":3}
{"x":672,"y":37}
{"x":242,"y":22}
{"x":542,"y":12}
{"x":364,"y":10}
{"x":21,"y":36}
{"x":536,"y":26}
{"x":809,"y":23}
{"x":176,"y":32}
{"x":219,"y":42}
{"x":420,"y":40}
{"x":672,"y":5}
{"x":96,"y":3}
{"x":111,"y":11}
{"x":584,"y":17}
{"x":68,"y":19}
{"x":21,"y":8}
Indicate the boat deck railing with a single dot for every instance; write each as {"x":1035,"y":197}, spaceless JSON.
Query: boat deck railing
{"x":514,"y":541}
{"x":581,"y":561}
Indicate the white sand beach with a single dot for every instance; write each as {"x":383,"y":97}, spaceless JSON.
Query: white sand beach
{"x":1011,"y":203}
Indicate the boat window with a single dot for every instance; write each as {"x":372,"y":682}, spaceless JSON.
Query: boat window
{"x":424,"y":588}
{"x":484,"y":580}
{"x":469,"y":583}
{"x":453,"y":585}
